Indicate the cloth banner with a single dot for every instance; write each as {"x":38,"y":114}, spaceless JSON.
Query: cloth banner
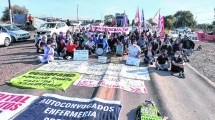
{"x":133,"y":61}
{"x":11,"y":104}
{"x":55,"y":107}
{"x":88,"y":80}
{"x":20,"y":18}
{"x":133,"y":72}
{"x":45,"y":80}
{"x":127,"y":84}
{"x":204,"y":37}
{"x":110,"y":29}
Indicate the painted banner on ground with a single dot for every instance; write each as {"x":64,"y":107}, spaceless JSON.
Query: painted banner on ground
{"x":45,"y":80}
{"x":55,"y":107}
{"x":88,"y":80}
{"x":132,"y":72}
{"x":11,"y":104}
{"x":111,"y":29}
{"x":81,"y":55}
{"x":127,"y":84}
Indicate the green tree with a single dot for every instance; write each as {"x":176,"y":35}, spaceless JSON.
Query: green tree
{"x":169,"y":22}
{"x":184,"y":18}
{"x":213,"y":23}
{"x":16,"y":9}
{"x":108,"y":19}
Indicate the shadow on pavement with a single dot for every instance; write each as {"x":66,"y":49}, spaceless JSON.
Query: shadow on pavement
{"x":132,"y":114}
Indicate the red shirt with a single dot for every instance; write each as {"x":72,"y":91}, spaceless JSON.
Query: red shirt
{"x":71,"y":48}
{"x":30,"y":18}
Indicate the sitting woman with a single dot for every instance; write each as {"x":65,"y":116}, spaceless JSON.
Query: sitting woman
{"x":69,"y":49}
{"x":134,"y":50}
{"x":149,"y":55}
{"x":48,"y":54}
{"x":162,"y":62}
{"x":41,"y":43}
{"x":177,"y":64}
{"x":90,"y":45}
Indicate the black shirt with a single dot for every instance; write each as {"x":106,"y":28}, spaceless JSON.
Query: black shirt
{"x":179,"y":61}
{"x":162,"y":60}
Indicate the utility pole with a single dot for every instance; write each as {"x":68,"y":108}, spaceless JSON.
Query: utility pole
{"x":101,"y":17}
{"x":10,"y":12}
{"x":77,"y":12}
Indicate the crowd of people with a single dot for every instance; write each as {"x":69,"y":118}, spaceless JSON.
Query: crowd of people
{"x":167,"y":54}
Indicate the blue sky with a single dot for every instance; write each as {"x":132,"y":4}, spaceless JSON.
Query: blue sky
{"x":203,"y":10}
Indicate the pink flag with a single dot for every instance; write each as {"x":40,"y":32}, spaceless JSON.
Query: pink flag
{"x":162,"y":27}
{"x":137,"y":17}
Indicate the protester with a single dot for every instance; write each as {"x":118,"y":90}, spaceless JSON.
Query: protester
{"x":41,"y":43}
{"x":141,"y":42}
{"x":177,"y":64}
{"x":162,"y":62}
{"x":30,"y":19}
{"x":125,"y":43}
{"x":48,"y":54}
{"x":90,"y":45}
{"x":102,"y":43}
{"x":134,"y":50}
{"x":149,"y":55}
{"x":167,"y":47}
{"x":112,"y":42}
{"x":188,"y":45}
{"x":155,"y":46}
{"x":69,"y":49}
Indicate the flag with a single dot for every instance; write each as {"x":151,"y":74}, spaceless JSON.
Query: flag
{"x":162,"y":27}
{"x":143,"y":20}
{"x":137,"y":17}
{"x":156,"y":17}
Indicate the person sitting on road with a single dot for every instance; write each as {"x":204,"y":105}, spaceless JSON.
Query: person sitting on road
{"x":125,"y":43}
{"x":141,"y":43}
{"x":155,"y":46}
{"x":162,"y":62}
{"x":102,"y":43}
{"x":134,"y":50}
{"x":188,"y":45}
{"x":69,"y":49}
{"x":42,"y":43}
{"x":48,"y":54}
{"x":177,"y":64}
{"x":167,"y":47}
{"x":112,"y":42}
{"x":149,"y":55}
{"x":90,"y":45}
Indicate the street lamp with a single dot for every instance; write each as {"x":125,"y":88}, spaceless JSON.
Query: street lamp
{"x":77,"y":12}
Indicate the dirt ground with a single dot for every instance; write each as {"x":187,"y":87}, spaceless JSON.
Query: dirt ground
{"x":204,"y":60}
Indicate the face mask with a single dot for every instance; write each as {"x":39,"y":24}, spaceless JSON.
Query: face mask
{"x":101,"y":37}
{"x":176,"y":56}
{"x":48,"y":46}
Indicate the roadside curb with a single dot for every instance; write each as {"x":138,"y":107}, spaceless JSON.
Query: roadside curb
{"x":201,"y":75}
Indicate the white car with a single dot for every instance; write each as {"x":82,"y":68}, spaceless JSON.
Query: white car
{"x":192,"y":35}
{"x":173,"y":34}
{"x":51,"y":28}
{"x":5,"y":39}
{"x":183,"y":29}
{"x":16,"y":33}
{"x":76,"y":23}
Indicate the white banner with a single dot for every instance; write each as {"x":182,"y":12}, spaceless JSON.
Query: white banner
{"x":11,"y":104}
{"x":88,"y":80}
{"x":102,"y":59}
{"x":133,"y":72}
{"x":111,"y":29}
{"x":133,"y":61}
{"x":127,"y":84}
{"x":81,"y":55}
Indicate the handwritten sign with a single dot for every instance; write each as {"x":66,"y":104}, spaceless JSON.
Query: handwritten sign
{"x":115,"y":60}
{"x":81,"y":55}
{"x":102,"y":59}
{"x":133,"y":61}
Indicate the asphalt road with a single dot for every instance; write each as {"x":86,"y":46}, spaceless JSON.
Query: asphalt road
{"x":179,"y":99}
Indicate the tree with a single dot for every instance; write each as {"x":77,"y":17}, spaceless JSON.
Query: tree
{"x":169,"y":22}
{"x":108,"y":19}
{"x":213,"y":23}
{"x":15,"y":10}
{"x":184,"y":19}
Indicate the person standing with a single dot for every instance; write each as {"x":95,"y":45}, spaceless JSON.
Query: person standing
{"x":30,"y":19}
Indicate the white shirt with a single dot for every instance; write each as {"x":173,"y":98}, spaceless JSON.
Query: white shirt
{"x":133,"y":50}
{"x":48,"y":51}
{"x":90,"y":44}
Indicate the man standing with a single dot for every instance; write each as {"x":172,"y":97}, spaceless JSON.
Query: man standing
{"x":30,"y":19}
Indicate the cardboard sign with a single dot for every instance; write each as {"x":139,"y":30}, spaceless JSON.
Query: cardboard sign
{"x":55,"y":107}
{"x":115,"y":60}
{"x":11,"y":104}
{"x":45,"y":80}
{"x":81,"y":55}
{"x":102,"y":59}
{"x":133,"y":61}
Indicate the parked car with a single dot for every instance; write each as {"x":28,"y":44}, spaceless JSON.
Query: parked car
{"x":192,"y":35}
{"x":50,"y":28}
{"x":76,"y":23}
{"x":183,"y":29}
{"x":5,"y":39}
{"x":15,"y":33}
{"x":173,"y":34}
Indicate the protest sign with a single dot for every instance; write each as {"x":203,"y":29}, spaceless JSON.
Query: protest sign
{"x":115,"y":60}
{"x":133,"y":72}
{"x":114,"y":69}
{"x":111,"y":29}
{"x":94,"y":69}
{"x":45,"y":80}
{"x":81,"y":55}
{"x":102,"y":59}
{"x":127,"y":84}
{"x":11,"y":104}
{"x":55,"y":107}
{"x":88,"y":80}
{"x":133,"y":61}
